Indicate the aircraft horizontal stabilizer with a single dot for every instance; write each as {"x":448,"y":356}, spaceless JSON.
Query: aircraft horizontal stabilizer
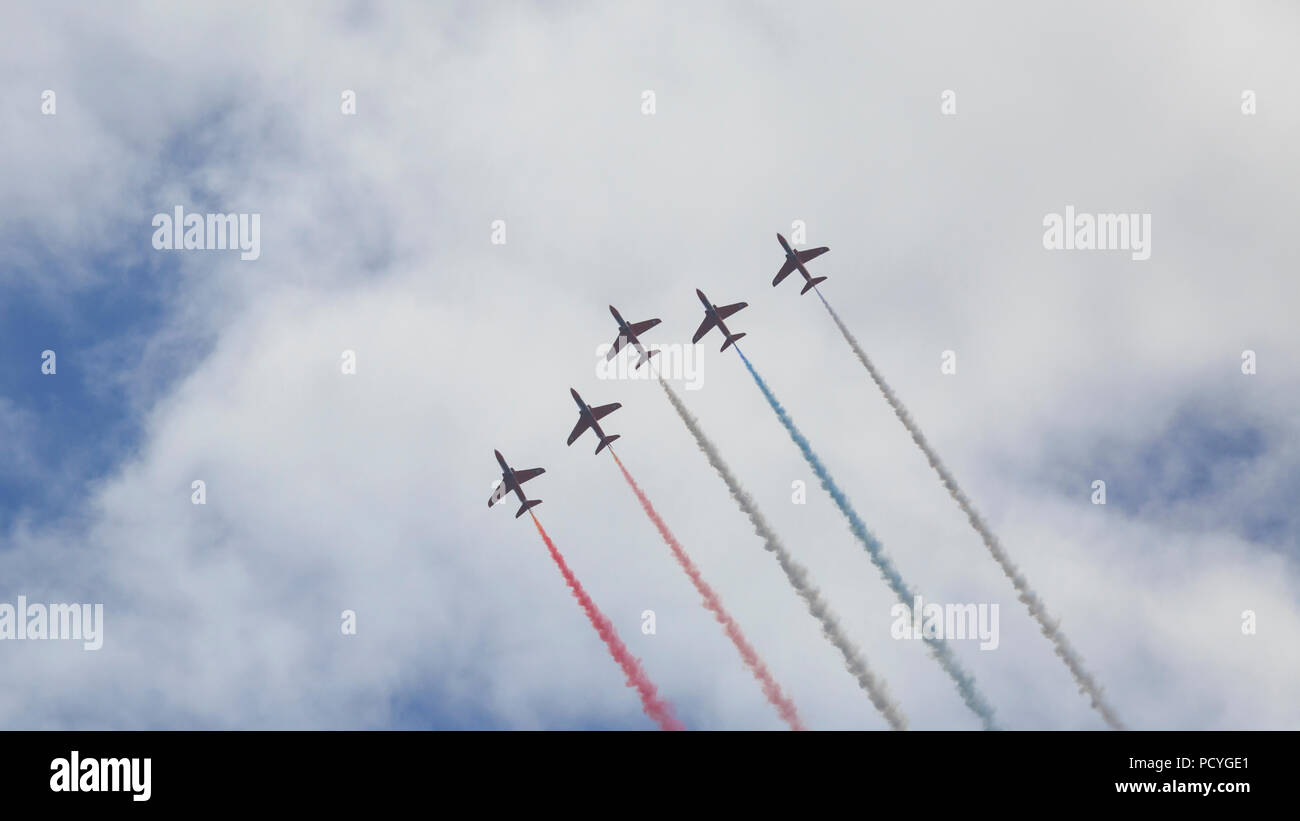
{"x":646,"y":358}
{"x":524,"y":507}
{"x":812,"y":283}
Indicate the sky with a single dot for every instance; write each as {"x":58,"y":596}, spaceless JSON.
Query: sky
{"x":329,"y":491}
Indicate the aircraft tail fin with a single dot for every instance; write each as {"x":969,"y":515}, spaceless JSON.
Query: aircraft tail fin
{"x":605,"y":442}
{"x":731,"y":340}
{"x":812,"y":283}
{"x":646,"y":358}
{"x":524,"y":507}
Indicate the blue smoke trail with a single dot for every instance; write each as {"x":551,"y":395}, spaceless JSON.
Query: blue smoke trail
{"x":942,"y":653}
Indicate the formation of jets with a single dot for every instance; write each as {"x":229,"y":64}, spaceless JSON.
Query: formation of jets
{"x":629,"y":334}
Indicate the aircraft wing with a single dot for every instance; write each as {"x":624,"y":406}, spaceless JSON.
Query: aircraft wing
{"x":605,"y":410}
{"x":497,"y":495}
{"x":727,"y":310}
{"x":578,"y":429}
{"x":522,"y":476}
{"x":616,"y":347}
{"x":811,"y":253}
{"x":639,"y":328}
{"x":789,"y":266}
{"x":704,"y":329}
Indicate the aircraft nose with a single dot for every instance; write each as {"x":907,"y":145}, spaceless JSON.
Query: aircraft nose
{"x":699,"y":293}
{"x":573,"y":392}
{"x":498,"y":453}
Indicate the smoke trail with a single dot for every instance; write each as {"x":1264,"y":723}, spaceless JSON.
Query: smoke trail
{"x":658,"y":709}
{"x":941,"y":651}
{"x":1051,"y":629}
{"x":771,"y":689}
{"x":796,"y":573}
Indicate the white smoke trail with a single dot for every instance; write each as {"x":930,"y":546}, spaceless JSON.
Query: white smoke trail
{"x":796,"y":573}
{"x":1051,"y":629}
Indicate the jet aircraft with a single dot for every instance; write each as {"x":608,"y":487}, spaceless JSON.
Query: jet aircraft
{"x":511,"y":480}
{"x":629,"y":334}
{"x":794,"y":260}
{"x":588,"y":417}
{"x":713,"y":318}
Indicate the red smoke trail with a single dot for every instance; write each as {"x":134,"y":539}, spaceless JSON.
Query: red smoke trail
{"x":771,"y":689}
{"x":658,"y":709}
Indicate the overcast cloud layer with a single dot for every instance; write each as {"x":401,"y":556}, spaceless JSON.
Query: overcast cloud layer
{"x":329,"y":492}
